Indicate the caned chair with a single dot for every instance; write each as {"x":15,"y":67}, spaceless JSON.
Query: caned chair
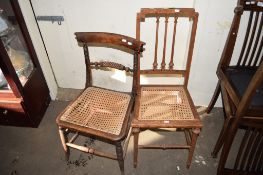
{"x":101,"y":113}
{"x":240,"y":60}
{"x":161,"y":105}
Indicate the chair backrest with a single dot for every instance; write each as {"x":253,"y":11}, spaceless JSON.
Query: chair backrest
{"x":247,"y":46}
{"x":109,"y":40}
{"x":165,"y":62}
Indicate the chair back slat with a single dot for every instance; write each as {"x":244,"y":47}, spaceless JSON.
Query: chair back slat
{"x":155,"y":64}
{"x":256,"y":43}
{"x":253,"y":155}
{"x":240,"y":60}
{"x":251,"y":51}
{"x":259,"y":59}
{"x":241,"y":149}
{"x":171,"y":64}
{"x":249,"y":60}
{"x":247,"y":150}
{"x":109,"y":64}
{"x":250,"y":148}
{"x":164,"y":43}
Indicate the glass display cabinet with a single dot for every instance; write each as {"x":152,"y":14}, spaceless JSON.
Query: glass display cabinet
{"x":24,"y":95}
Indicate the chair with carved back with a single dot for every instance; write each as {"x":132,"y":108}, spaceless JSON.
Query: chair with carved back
{"x":100,"y":113}
{"x":239,"y":64}
{"x":159,"y":106}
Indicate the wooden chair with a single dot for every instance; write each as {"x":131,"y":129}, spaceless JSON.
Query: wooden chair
{"x":235,"y":75}
{"x":166,"y":106}
{"x":249,"y":56}
{"x":101,"y":113}
{"x":249,"y":157}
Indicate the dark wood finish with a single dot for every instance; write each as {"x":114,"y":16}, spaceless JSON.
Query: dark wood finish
{"x":34,"y":95}
{"x":248,"y":58}
{"x":191,"y":127}
{"x":115,"y":41}
{"x":171,"y":64}
{"x":248,"y":156}
{"x":155,"y":64}
{"x":214,"y":98}
{"x":109,"y":38}
{"x":241,"y":86}
{"x":111,"y":65}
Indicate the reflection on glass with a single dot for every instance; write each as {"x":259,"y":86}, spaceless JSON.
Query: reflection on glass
{"x":3,"y":83}
{"x":12,"y":38}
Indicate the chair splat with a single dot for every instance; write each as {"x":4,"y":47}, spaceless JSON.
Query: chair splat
{"x":155,"y":64}
{"x":171,"y":64}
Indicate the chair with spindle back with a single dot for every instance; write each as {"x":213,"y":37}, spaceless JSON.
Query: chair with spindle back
{"x":160,"y":106}
{"x":250,"y":56}
{"x":236,"y":74}
{"x":101,"y":113}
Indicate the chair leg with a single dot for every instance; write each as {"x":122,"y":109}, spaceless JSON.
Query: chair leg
{"x":135,"y":132}
{"x":195,"y":134}
{"x":214,"y":98}
{"x":221,"y":138}
{"x":119,"y":152}
{"x":64,"y":139}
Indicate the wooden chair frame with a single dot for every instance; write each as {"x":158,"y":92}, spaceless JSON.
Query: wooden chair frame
{"x":240,"y":86}
{"x":248,"y":63}
{"x":191,"y":127}
{"x":115,"y":41}
{"x":246,"y":60}
{"x":249,"y":159}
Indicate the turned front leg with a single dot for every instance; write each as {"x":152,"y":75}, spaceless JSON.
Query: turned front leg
{"x":64,"y":140}
{"x":135,"y":132}
{"x":195,"y":133}
{"x":119,"y":152}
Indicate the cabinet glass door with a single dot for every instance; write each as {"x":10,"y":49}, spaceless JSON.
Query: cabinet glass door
{"x":3,"y":83}
{"x":14,"y":43}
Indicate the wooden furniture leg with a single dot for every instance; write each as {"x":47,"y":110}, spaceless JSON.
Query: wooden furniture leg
{"x":119,"y":152}
{"x":136,"y":132}
{"x":195,"y":133}
{"x":214,"y":98}
{"x":221,"y":138}
{"x":64,"y":139}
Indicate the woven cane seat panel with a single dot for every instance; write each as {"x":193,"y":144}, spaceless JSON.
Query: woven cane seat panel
{"x":98,"y":109}
{"x":164,"y":103}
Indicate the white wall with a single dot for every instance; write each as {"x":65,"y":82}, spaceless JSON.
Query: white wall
{"x":119,"y":16}
{"x":215,"y":19}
